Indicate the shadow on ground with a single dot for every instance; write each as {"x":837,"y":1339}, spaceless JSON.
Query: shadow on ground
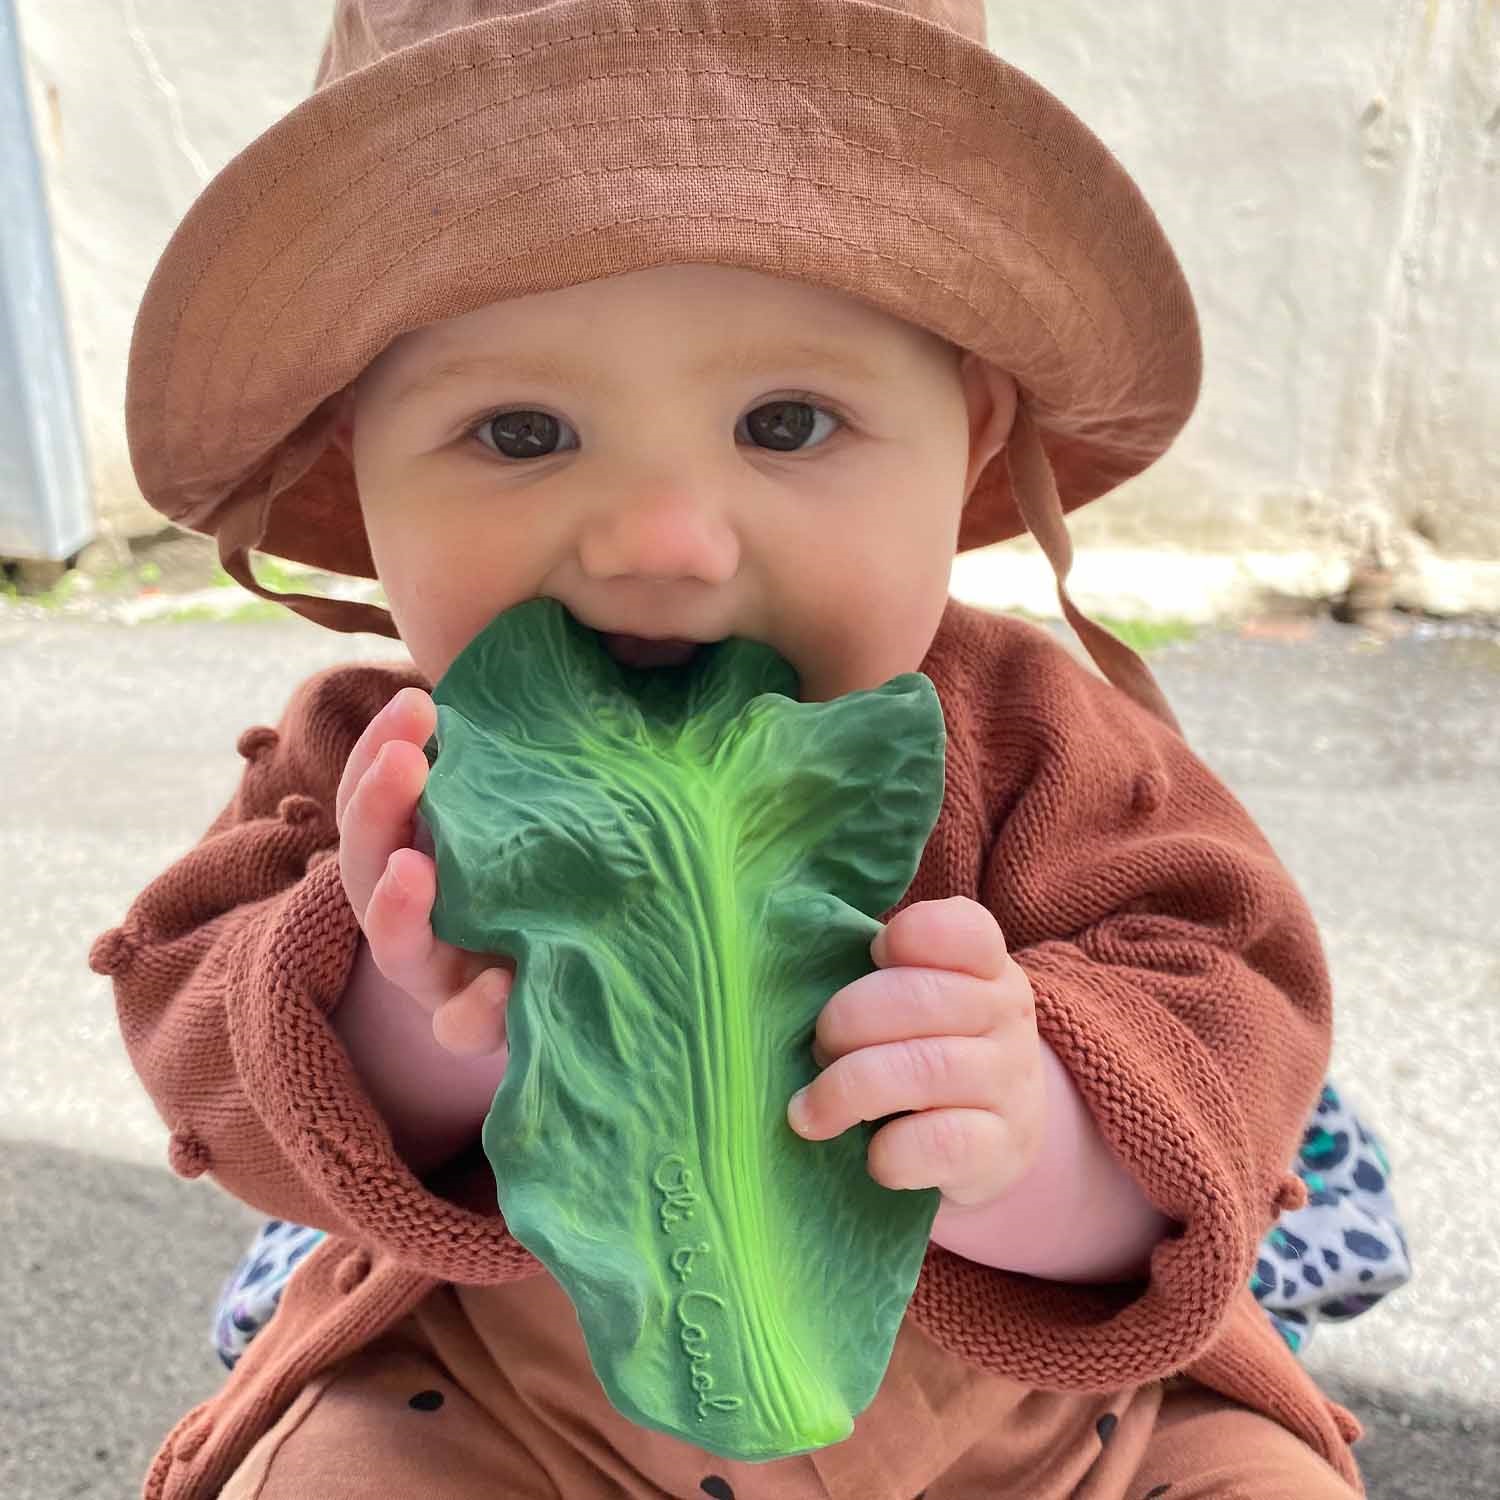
{"x":116,"y":1269}
{"x":113,"y":1273}
{"x":1417,"y":1451}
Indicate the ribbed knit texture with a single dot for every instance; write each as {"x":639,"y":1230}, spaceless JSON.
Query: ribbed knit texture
{"x":1177,"y":971}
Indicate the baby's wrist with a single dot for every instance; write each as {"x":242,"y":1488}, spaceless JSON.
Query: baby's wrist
{"x":432,"y":1101}
{"x":1074,"y":1215}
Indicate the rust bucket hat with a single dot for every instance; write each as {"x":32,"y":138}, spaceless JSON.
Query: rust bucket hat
{"x":457,"y":152}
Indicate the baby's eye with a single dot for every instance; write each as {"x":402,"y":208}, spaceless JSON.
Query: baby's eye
{"x":780,"y":425}
{"x":783,"y":423}
{"x":521,"y":434}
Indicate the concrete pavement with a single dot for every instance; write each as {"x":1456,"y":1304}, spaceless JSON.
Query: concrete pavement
{"x":1373,"y":768}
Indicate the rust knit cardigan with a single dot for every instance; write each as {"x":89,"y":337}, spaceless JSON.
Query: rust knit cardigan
{"x":1177,"y":970}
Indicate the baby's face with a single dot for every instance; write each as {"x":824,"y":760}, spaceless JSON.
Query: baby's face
{"x":684,"y":453}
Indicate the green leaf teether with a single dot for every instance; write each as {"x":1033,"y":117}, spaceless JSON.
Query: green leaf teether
{"x":686,"y":863}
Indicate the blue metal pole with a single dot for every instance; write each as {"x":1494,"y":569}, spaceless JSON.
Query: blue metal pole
{"x":46,"y":511}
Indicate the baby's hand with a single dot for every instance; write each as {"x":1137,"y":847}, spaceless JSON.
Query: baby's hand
{"x":945,"y":1028}
{"x":391,"y":885}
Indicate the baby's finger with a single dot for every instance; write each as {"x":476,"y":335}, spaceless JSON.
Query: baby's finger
{"x":398,"y":928}
{"x":955,"y":933}
{"x":472,"y":1023}
{"x":378,"y":819}
{"x":923,"y":1073}
{"x":940,"y":1147}
{"x":891,"y":1005}
{"x":410,"y":715}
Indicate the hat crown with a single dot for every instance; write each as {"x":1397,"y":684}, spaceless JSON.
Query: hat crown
{"x":366,"y":31}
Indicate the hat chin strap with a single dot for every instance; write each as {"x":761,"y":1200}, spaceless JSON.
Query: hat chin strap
{"x":1035,"y":490}
{"x":242,"y":528}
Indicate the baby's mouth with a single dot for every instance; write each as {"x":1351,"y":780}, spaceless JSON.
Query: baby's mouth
{"x":638,"y":651}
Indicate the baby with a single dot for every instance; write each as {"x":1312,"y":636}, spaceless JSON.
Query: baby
{"x":711,"y":322}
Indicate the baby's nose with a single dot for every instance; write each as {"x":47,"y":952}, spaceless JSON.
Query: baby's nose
{"x":660,"y":540}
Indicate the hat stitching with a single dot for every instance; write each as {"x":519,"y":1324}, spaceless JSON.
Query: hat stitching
{"x":720,"y":218}
{"x":833,"y":186}
{"x":337,"y":318}
{"x":984,"y":101}
{"x":889,"y":157}
{"x":386,"y":101}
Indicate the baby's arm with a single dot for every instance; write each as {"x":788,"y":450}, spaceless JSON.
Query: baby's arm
{"x":1075,"y":1215}
{"x":228,"y":971}
{"x":227,"y":965}
{"x":940,"y":1042}
{"x":432,"y":1100}
{"x":1180,"y":982}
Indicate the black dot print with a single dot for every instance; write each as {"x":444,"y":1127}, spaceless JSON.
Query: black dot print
{"x":718,"y":1488}
{"x":1106,"y":1425}
{"x":426,"y":1401}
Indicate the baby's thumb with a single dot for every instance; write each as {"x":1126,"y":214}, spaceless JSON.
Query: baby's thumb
{"x":472,"y":1023}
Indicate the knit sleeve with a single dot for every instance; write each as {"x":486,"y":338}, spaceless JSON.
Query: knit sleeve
{"x":226,"y":971}
{"x":1179,"y":977}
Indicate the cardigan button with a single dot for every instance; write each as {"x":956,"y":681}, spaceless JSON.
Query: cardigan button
{"x":351,"y":1271}
{"x":1291,"y":1195}
{"x":297,"y":810}
{"x":112,"y":953}
{"x":1148,"y":794}
{"x":1351,"y":1429}
{"x":186,"y":1444}
{"x":187,"y":1155}
{"x":253,"y":743}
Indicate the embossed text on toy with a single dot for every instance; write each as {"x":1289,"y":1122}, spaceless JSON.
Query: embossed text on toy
{"x":674,"y":1182}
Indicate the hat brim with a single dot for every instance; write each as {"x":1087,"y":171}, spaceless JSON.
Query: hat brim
{"x":850,"y":146}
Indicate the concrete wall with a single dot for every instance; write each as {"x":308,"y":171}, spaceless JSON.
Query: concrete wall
{"x":1330,"y":175}
{"x":136,"y":104}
